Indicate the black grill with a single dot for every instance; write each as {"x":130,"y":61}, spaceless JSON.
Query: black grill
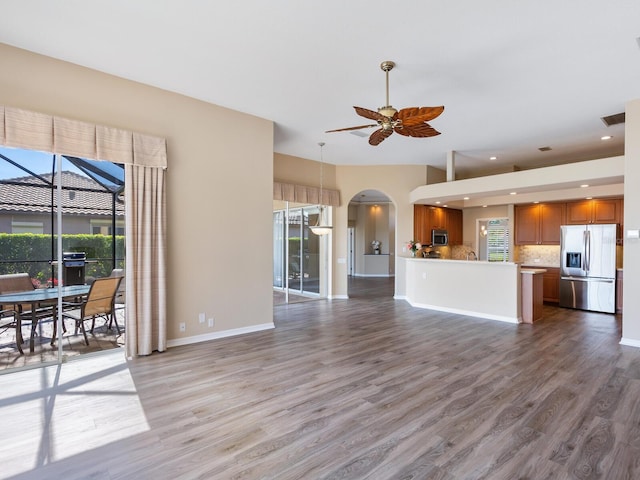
{"x":73,"y":268}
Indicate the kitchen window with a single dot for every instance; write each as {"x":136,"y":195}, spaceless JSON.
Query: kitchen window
{"x":497,"y":240}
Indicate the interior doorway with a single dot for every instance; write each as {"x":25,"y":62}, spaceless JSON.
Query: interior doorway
{"x":371,"y":237}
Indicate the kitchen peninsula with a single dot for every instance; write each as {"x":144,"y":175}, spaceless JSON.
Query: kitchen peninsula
{"x":475,"y":288}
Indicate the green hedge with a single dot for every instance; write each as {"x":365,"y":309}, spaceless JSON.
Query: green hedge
{"x":30,"y":252}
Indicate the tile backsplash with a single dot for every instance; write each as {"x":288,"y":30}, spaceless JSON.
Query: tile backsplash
{"x":543,"y":255}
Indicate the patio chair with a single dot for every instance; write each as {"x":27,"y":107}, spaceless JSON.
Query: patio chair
{"x":10,"y":319}
{"x":15,"y":283}
{"x":119,"y":303}
{"x":99,"y":302}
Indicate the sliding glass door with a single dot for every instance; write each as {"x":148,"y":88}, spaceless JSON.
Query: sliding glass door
{"x":296,"y":259}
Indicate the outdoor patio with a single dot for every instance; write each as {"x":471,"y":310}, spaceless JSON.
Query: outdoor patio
{"x":102,"y":338}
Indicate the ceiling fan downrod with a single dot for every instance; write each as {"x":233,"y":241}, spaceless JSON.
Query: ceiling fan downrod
{"x":387,"y":110}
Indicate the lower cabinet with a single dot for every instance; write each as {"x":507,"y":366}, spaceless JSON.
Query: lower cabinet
{"x":619,"y":291}
{"x":550,"y":283}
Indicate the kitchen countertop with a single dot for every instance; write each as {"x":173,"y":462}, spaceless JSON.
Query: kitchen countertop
{"x":451,"y":260}
{"x":532,"y":271}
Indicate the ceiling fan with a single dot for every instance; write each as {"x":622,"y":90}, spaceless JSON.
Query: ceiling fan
{"x":410,"y":122}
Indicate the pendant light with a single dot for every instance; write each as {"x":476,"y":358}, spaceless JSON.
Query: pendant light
{"x":321,"y":228}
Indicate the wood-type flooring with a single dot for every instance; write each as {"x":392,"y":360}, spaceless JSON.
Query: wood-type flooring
{"x":365,"y":388}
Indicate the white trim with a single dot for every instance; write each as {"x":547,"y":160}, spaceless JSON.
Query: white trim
{"x":400,"y":297}
{"x":629,"y":342}
{"x":387,"y":275}
{"x":338,"y":297}
{"x":470,"y":313}
{"x":176,"y":342}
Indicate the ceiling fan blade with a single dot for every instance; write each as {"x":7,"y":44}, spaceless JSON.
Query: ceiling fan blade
{"x":352,"y":128}
{"x":416,"y":115}
{"x":378,"y":136}
{"x":370,"y":114}
{"x":420,"y":130}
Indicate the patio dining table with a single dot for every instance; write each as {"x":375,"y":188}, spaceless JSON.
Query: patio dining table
{"x":38,"y":299}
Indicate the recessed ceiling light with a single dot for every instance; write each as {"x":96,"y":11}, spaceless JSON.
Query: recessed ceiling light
{"x":513,"y":193}
{"x":484,"y":206}
{"x":588,"y":198}
{"x":445,"y":205}
{"x":466,"y":198}
{"x":537,"y":201}
{"x":493,"y":158}
{"x":438,"y":202}
{"x":584,"y":186}
{"x":606,"y":137}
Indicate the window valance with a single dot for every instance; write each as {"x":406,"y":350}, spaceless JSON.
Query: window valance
{"x":38,"y":131}
{"x":304,"y":194}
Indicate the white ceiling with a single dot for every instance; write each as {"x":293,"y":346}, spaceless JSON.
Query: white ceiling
{"x":513,"y":75}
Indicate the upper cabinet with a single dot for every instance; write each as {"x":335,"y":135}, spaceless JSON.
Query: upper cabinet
{"x":608,"y":210}
{"x":454,"y":226}
{"x":539,"y":224}
{"x":427,"y":218}
{"x":421,"y":224}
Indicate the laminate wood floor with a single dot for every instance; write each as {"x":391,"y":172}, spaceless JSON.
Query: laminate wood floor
{"x":365,"y":388}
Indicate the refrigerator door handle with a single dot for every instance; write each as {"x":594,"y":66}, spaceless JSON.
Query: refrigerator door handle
{"x":587,"y":250}
{"x":588,"y":279}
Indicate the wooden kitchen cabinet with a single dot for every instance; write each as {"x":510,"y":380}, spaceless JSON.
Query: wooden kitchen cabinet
{"x":539,"y":224}
{"x":421,"y":224}
{"x":550,"y":283}
{"x":619,"y":291}
{"x":438,"y":218}
{"x":601,"y":210}
{"x":428,"y":217}
{"x":454,"y":226}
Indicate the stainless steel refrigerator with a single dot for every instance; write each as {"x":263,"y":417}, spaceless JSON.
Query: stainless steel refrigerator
{"x":588,"y":267}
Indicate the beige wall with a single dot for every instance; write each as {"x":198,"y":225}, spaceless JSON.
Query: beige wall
{"x":631,"y":309}
{"x":470,"y":216}
{"x":395,"y":182}
{"x":219,"y":184}
{"x":288,"y":169}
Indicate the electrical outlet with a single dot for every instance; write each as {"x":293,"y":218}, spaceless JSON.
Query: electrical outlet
{"x":183,"y":327}
{"x":211,"y":322}
{"x":201,"y":317}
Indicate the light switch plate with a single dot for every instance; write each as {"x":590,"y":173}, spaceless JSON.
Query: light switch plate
{"x":633,"y":233}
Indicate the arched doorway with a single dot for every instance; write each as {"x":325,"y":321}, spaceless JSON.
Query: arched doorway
{"x":371,"y":245}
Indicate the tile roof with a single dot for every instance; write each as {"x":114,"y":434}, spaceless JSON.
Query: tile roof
{"x":80,"y":196}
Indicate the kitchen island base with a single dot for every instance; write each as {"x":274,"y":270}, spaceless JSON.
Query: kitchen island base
{"x":475,"y":288}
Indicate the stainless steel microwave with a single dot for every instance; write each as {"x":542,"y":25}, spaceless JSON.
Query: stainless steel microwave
{"x":439,"y":237}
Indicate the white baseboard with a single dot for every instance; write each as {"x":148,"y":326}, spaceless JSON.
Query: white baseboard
{"x":373,"y":275}
{"x":338,"y":297}
{"x":176,"y":342}
{"x":469,"y":313}
{"x":400,"y":297}
{"x":630,"y":342}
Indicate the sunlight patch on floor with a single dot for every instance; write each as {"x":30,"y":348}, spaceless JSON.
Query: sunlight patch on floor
{"x":79,"y":406}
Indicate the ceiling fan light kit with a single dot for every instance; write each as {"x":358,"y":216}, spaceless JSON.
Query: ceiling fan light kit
{"x":409,"y":122}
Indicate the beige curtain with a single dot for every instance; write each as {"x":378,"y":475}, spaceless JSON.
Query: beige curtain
{"x":304,"y":194}
{"x":145,"y":159}
{"x":146,"y":312}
